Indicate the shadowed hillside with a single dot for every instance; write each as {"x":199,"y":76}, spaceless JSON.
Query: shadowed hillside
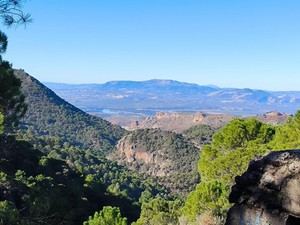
{"x":49,"y":115}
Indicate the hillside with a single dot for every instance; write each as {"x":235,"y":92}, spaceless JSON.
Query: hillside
{"x":51,"y":189}
{"x":47,"y":177}
{"x":35,"y":191}
{"x":148,"y":97}
{"x":64,"y":132}
{"x":166,"y":156}
{"x":49,"y":115}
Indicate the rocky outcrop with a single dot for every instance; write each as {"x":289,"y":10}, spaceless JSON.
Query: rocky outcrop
{"x":268,"y":193}
{"x":273,"y":117}
{"x":167,"y":157}
{"x":137,"y":154}
{"x":181,"y":121}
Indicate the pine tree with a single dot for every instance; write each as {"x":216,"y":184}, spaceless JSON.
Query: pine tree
{"x":107,"y":216}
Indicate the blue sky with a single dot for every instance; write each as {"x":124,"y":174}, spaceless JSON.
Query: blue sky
{"x":232,"y":43}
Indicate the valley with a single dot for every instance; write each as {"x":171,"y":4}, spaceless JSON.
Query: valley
{"x":137,"y":106}
{"x":133,"y":160}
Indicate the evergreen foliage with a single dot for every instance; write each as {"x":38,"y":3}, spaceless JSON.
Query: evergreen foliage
{"x":9,"y":215}
{"x":288,"y":135}
{"x":11,"y":12}
{"x":159,"y":211}
{"x":3,"y":43}
{"x":200,"y":134}
{"x":49,"y":116}
{"x":107,"y":216}
{"x":52,"y":192}
{"x":228,"y":156}
{"x":12,"y":105}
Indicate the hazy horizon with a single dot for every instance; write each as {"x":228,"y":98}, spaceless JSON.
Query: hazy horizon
{"x":229,"y":44}
{"x":154,"y":79}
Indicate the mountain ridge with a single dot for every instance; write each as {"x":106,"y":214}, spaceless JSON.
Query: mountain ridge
{"x":166,"y":81}
{"x":150,"y":81}
{"x":152,"y":96}
{"x":48,"y":114}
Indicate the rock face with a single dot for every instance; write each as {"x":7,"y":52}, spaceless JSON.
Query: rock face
{"x":165,"y":156}
{"x":268,"y":193}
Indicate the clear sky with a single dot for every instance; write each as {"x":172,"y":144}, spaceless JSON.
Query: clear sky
{"x":231,"y":43}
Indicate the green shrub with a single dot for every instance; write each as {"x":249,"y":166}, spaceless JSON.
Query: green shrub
{"x":107,"y":216}
{"x":9,"y":215}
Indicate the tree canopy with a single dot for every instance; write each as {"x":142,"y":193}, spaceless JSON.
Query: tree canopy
{"x":228,"y":156}
{"x":12,"y":105}
{"x":3,"y":43}
{"x":288,"y":135}
{"x":159,"y":211}
{"x":8,"y":213}
{"x":11,"y":13}
{"x":107,"y":216}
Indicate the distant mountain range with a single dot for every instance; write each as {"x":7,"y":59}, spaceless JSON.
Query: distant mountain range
{"x":148,"y":97}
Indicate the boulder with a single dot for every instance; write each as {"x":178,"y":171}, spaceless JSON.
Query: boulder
{"x":268,"y":193}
